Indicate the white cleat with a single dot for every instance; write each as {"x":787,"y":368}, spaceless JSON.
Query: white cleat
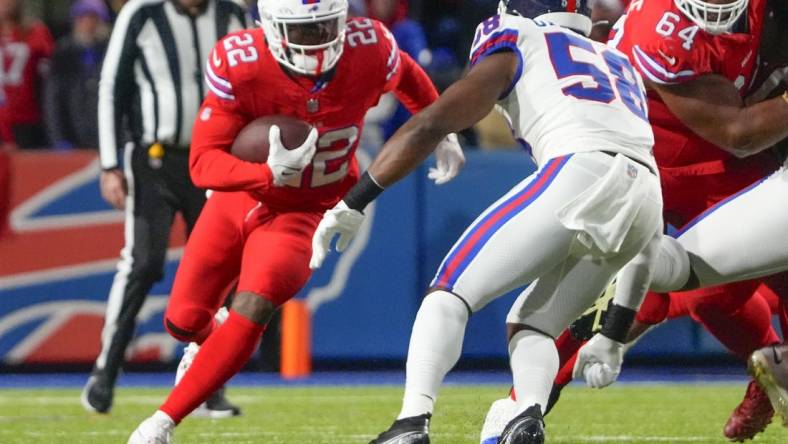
{"x":501,"y":412}
{"x":189,"y":352}
{"x":155,"y":430}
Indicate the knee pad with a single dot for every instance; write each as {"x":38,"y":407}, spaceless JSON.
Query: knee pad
{"x":187,"y":324}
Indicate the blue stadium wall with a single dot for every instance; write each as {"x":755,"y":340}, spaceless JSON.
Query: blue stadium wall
{"x":364,"y":301}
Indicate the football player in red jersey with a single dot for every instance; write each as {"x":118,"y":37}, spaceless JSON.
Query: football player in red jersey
{"x":307,"y":62}
{"x":25,"y":47}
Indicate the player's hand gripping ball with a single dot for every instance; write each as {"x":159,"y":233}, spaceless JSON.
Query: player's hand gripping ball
{"x":252,"y":143}
{"x":286,"y":144}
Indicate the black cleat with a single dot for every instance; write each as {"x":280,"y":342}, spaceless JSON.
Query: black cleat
{"x":97,"y":395}
{"x":217,"y":407}
{"x":525,"y":428}
{"x":410,"y":430}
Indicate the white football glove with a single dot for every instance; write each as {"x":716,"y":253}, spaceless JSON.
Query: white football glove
{"x":285,"y":163}
{"x":599,"y":361}
{"x":338,"y":220}
{"x":449,"y":160}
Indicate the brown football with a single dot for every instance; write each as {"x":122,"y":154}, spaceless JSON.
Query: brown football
{"x":252,"y":142}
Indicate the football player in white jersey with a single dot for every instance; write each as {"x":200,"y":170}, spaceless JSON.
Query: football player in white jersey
{"x":593,"y":205}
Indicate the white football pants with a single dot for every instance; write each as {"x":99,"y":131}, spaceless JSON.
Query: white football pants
{"x":568,"y":228}
{"x":742,"y":237}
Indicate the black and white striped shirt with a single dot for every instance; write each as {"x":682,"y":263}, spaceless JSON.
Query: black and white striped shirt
{"x":152,"y":78}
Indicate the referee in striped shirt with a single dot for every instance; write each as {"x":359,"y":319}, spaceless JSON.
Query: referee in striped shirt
{"x":150,"y":92}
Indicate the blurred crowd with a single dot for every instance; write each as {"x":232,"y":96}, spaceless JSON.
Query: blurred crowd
{"x":52,"y":50}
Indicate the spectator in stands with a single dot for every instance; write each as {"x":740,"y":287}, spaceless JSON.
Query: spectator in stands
{"x":72,"y":86}
{"x":25,"y":48}
{"x":408,"y":33}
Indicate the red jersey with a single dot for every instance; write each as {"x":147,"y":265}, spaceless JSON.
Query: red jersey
{"x":668,"y":48}
{"x":24,"y":53}
{"x":246,"y":82}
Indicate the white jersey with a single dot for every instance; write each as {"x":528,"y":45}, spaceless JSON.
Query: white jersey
{"x":570,"y":94}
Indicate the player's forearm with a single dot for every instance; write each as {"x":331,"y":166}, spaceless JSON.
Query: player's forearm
{"x":214,"y":169}
{"x":711,"y":107}
{"x":757,"y":127}
{"x":462,"y":105}
{"x":632,"y":284}
{"x":409,"y":146}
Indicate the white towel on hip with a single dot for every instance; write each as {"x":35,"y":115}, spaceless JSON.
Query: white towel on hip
{"x":603,"y":214}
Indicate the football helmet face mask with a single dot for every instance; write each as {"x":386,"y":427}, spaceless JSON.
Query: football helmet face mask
{"x":712,"y":17}
{"x":572,"y":14}
{"x":306,"y":36}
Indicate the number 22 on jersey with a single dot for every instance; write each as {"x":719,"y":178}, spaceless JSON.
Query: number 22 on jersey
{"x":331,"y":162}
{"x":621,"y":83}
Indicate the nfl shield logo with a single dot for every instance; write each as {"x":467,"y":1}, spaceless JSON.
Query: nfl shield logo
{"x":310,"y":2}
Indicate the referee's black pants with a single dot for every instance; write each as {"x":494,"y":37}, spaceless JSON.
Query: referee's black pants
{"x":156,"y":194}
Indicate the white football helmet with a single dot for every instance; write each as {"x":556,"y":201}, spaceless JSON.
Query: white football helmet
{"x":711,"y":17}
{"x":321,"y":23}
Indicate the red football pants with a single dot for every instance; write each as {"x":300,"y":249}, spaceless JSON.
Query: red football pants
{"x":237,"y":237}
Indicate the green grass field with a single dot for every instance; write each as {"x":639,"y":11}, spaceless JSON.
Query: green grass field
{"x":625,"y":414}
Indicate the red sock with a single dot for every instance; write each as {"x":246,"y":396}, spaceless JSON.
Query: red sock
{"x":221,"y":356}
{"x":567,"y":346}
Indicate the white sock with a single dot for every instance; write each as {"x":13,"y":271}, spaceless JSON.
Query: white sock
{"x":671,"y":270}
{"x":435,"y":346}
{"x":534,"y":361}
